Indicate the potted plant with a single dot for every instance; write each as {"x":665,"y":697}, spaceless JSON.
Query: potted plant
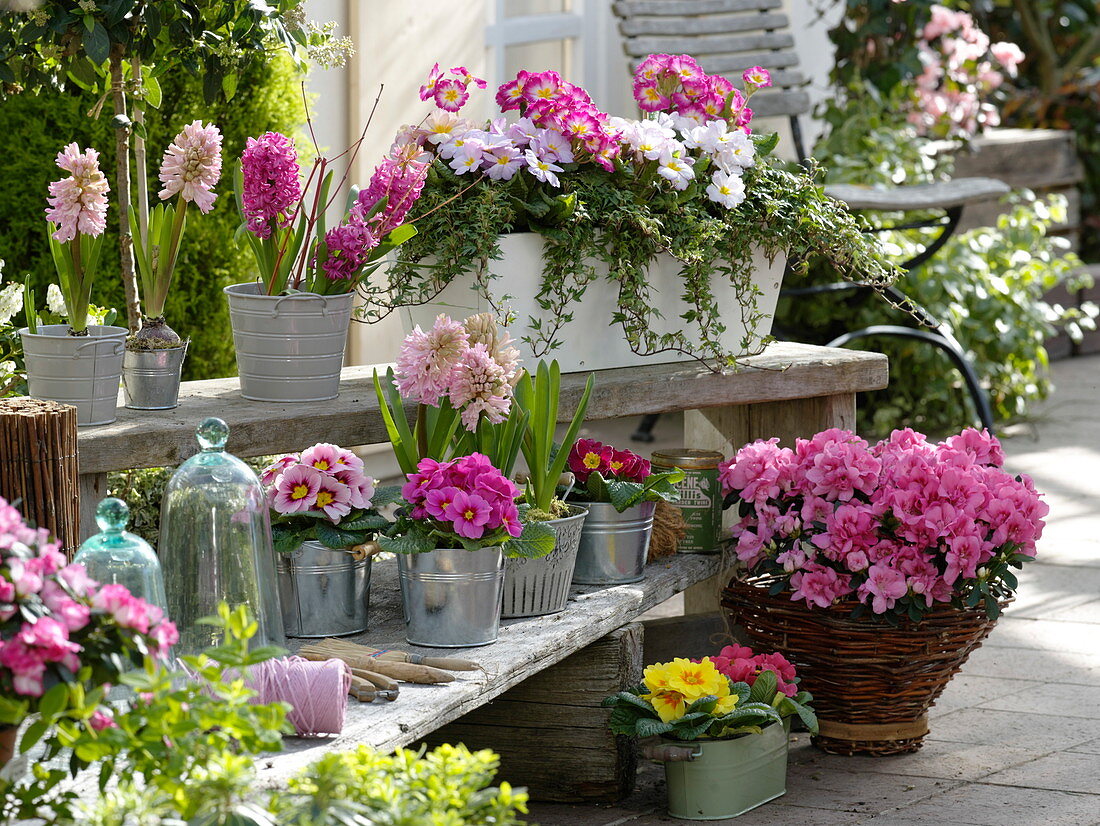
{"x":324,"y":512}
{"x":621,"y":492}
{"x":290,"y":326}
{"x":460,"y":518}
{"x":585,"y":220}
{"x":64,"y":639}
{"x":740,"y":664}
{"x":154,"y":355}
{"x":722,"y":742}
{"x":900,"y":554}
{"x":534,"y":587}
{"x":76,"y":363}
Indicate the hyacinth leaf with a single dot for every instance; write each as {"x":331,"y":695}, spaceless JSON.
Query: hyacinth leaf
{"x":537,"y":540}
{"x":397,"y":426}
{"x":326,"y":185}
{"x":765,"y":688}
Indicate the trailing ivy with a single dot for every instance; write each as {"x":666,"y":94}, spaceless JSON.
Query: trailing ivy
{"x":623,"y":220}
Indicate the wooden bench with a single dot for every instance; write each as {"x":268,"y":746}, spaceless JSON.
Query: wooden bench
{"x":789,"y":390}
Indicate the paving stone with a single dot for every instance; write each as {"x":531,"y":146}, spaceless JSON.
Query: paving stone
{"x":982,"y":804}
{"x":1053,"y":637}
{"x":831,"y":786}
{"x":1088,"y":748}
{"x":938,"y":759}
{"x":1052,"y":698}
{"x":966,"y":690}
{"x":1030,"y":732}
{"x":1064,"y":666}
{"x":770,"y":814}
{"x":1089,"y":612}
{"x":1061,"y":771}
{"x":1045,"y":589}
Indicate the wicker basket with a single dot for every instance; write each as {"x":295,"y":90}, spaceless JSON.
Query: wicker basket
{"x":872,"y":683}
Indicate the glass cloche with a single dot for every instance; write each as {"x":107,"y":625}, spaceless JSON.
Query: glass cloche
{"x":116,"y":556}
{"x":215,"y":544}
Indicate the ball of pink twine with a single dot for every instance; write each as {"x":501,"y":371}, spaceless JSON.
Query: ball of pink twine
{"x":317,"y":691}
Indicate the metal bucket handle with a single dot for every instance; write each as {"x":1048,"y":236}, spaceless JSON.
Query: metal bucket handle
{"x":281,"y":299}
{"x":119,"y":346}
{"x":669,"y":753}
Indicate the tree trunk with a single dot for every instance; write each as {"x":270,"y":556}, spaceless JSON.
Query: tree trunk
{"x":122,"y":184}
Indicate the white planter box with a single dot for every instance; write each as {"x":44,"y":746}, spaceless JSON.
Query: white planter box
{"x":592,"y":341}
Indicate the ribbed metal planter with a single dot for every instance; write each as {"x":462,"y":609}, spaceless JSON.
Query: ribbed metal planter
{"x":83,"y":371}
{"x":452,"y":597}
{"x":536,"y":587}
{"x":290,"y":348}
{"x":151,"y":378}
{"x":614,"y":545}
{"x":724,"y":778}
{"x":323,"y":593}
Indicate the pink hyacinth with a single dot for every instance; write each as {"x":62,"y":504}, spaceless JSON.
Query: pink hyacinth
{"x":272,"y":184}
{"x":480,"y":385}
{"x":428,"y":360}
{"x":192,"y":165}
{"x":349,"y":249}
{"x":400,"y":181}
{"x":78,"y":204}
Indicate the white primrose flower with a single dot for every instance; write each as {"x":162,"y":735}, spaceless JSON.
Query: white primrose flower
{"x":653,"y":144}
{"x":726,"y":189}
{"x":553,"y":145}
{"x":677,"y":171}
{"x":443,"y":126}
{"x":542,"y":169}
{"x":735,"y":151}
{"x":707,"y":138}
{"x":468,"y":157}
{"x":502,"y":163}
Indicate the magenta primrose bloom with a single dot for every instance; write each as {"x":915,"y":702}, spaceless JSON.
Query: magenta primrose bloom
{"x":467,"y":496}
{"x":898,"y":526}
{"x":588,"y":455}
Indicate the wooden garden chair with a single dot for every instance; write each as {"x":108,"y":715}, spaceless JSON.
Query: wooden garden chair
{"x":728,"y":36}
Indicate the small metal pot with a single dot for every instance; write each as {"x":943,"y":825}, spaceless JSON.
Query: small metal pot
{"x":151,"y":378}
{"x":323,"y":592}
{"x":79,"y":370}
{"x":614,"y":545}
{"x":719,"y":779}
{"x":536,"y":587}
{"x":452,"y":596}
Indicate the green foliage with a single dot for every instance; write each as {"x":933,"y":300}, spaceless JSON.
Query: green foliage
{"x":623,"y":494}
{"x":290,"y":530}
{"x":624,"y":220}
{"x":988,"y":284}
{"x":634,"y":716}
{"x":545,"y":457}
{"x":269,"y":97}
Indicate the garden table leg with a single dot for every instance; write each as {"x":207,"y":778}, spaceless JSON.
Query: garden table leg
{"x":92,"y":488}
{"x":726,"y":429}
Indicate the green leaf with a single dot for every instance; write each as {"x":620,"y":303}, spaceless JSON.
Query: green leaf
{"x":54,"y":701}
{"x":413,"y":542}
{"x":35,"y":731}
{"x":151,"y":86}
{"x":537,"y":540}
{"x":335,"y":537}
{"x":765,"y":687}
{"x":97,"y":44}
{"x":367,"y":522}
{"x":652,"y":728}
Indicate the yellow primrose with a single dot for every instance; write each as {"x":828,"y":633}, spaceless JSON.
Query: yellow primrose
{"x":695,"y":680}
{"x":725,"y":705}
{"x":669,"y":705}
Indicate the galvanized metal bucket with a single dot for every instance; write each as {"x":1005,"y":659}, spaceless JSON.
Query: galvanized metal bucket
{"x":536,"y":587}
{"x":290,"y":348}
{"x":151,"y":378}
{"x":614,"y":545}
{"x":452,"y":597}
{"x":83,"y":371}
{"x":718,"y":779}
{"x":323,"y":593}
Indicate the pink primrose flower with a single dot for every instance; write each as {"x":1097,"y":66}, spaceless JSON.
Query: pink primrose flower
{"x":588,"y":455}
{"x":192,"y":165}
{"x":438,"y":501}
{"x":78,"y":203}
{"x":427,"y":91}
{"x":270,"y":473}
{"x":629,"y":466}
{"x":756,"y":77}
{"x":296,"y":489}
{"x":541,"y":86}
{"x":450,"y":95}
{"x":469,"y":514}
{"x":323,"y":456}
{"x":333,"y":498}
{"x":510,"y":95}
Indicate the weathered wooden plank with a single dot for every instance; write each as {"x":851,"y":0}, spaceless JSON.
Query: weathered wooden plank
{"x":669,"y":8}
{"x":577,"y":757}
{"x":780,"y":103}
{"x":525,"y":648}
{"x":721,"y":44}
{"x":715,"y":24}
{"x":783,"y":371}
{"x":944,"y":195}
{"x":734,"y":64}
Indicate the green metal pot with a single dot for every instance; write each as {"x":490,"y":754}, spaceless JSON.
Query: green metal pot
{"x":718,"y":779}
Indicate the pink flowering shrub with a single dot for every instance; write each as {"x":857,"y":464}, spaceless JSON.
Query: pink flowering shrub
{"x":322,"y":494}
{"x":464,"y":503}
{"x":961,"y":70}
{"x":59,"y":626}
{"x":620,"y":477}
{"x":896,"y":527}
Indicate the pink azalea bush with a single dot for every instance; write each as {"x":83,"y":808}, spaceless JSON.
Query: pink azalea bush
{"x":961,"y":71}
{"x":465,"y":502}
{"x":58,"y":625}
{"x":740,"y":664}
{"x":320,"y":490}
{"x":896,"y":527}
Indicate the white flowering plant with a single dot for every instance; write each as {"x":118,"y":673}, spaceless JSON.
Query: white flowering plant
{"x":690,"y":178}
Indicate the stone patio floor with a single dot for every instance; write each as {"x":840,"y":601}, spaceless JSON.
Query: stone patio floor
{"x":1015,"y":737}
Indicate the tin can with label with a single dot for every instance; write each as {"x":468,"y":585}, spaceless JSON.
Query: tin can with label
{"x":700,"y":496}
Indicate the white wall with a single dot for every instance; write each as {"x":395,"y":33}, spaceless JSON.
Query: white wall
{"x":815,"y":52}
